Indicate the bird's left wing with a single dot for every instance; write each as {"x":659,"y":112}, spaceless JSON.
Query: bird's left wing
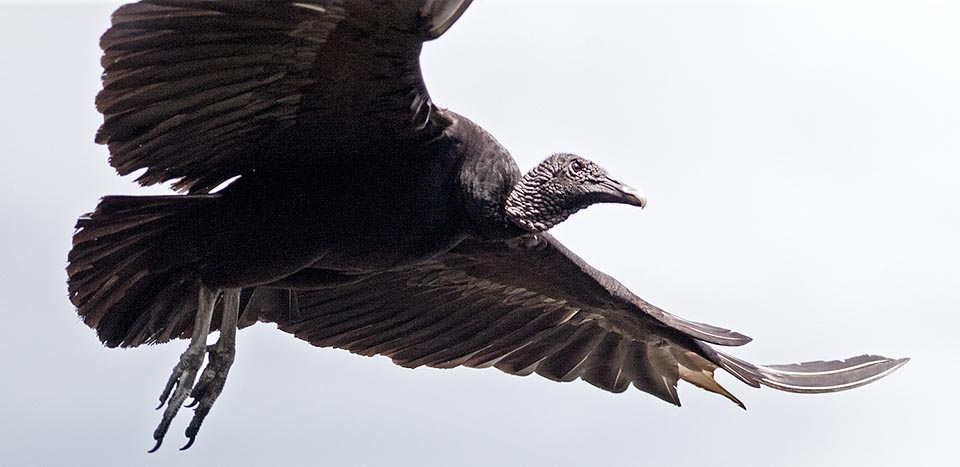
{"x":200,"y":91}
{"x":531,"y":306}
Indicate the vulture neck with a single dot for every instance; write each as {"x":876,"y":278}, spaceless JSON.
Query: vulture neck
{"x":530,"y":208}
{"x":504,"y":205}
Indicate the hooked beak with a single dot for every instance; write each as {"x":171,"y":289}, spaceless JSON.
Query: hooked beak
{"x":622,"y":193}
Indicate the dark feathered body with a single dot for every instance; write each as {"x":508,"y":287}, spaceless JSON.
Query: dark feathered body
{"x":404,"y":206}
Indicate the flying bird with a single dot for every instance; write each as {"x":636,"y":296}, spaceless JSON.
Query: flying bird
{"x":356,"y":214}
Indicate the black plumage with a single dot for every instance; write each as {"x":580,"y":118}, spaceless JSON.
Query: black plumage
{"x":362,"y":216}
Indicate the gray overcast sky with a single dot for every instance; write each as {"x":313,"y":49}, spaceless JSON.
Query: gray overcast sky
{"x":801,"y":162}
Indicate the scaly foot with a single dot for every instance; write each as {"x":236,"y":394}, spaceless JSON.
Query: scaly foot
{"x":210,"y":386}
{"x":185,"y":373}
{"x":180,"y":385}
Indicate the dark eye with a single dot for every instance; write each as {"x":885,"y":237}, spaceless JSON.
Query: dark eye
{"x":576,"y":166}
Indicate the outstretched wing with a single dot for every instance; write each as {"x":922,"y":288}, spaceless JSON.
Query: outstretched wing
{"x":199,"y":91}
{"x":532,"y":306}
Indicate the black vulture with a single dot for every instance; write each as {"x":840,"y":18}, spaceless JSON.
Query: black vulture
{"x":358,"y":214}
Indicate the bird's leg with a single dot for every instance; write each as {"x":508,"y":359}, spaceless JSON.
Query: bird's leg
{"x":214,"y":375}
{"x":185,"y":373}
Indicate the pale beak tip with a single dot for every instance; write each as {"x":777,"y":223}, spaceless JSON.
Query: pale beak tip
{"x":638,"y":197}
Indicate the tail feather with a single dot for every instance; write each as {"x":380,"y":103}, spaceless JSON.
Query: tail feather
{"x":813,"y":377}
{"x":129,"y":269}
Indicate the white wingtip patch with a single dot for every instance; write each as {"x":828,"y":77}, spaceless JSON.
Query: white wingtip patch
{"x":310,"y":6}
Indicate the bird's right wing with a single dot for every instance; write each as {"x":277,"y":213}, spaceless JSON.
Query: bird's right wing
{"x":528,"y":306}
{"x":200,"y":91}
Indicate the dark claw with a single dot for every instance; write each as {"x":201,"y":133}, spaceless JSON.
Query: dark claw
{"x":163,"y":401}
{"x":200,"y":389}
{"x":189,"y":443}
{"x":157,"y":446}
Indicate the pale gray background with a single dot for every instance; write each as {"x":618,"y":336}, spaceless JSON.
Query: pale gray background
{"x":801,"y":162}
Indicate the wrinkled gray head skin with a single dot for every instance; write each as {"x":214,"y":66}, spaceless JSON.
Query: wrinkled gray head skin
{"x":560,"y":186}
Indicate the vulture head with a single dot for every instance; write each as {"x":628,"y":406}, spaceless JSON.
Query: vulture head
{"x":560,"y":186}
